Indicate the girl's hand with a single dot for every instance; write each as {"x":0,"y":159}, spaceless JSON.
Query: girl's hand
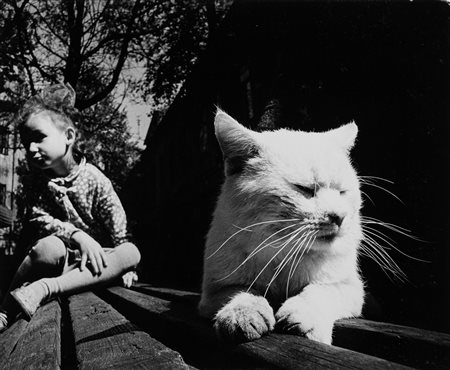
{"x":91,"y":252}
{"x":129,"y":278}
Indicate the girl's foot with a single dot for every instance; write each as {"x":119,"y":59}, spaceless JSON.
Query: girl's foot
{"x":3,"y":321}
{"x":30,"y":297}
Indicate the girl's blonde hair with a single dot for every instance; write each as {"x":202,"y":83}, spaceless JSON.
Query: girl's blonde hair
{"x":59,"y":102}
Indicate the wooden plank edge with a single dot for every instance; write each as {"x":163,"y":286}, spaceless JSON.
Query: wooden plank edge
{"x":39,"y":345}
{"x":9,"y":339}
{"x":169,"y":294}
{"x":412,"y":333}
{"x":410,"y":346}
{"x":278,"y":350}
{"x":407,"y":345}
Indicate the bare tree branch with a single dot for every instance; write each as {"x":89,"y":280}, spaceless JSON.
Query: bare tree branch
{"x":19,"y":21}
{"x":95,"y":20}
{"x":75,"y":24}
{"x":24,"y":39}
{"x":51,"y":51}
{"x":47,"y":24}
{"x":121,"y":60}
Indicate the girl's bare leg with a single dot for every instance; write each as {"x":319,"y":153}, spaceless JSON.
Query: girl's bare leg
{"x":46,"y":258}
{"x":120,"y":260}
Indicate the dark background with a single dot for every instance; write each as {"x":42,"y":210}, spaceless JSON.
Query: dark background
{"x":383,"y":64}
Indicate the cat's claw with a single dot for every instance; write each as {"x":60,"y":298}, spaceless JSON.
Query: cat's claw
{"x":245,"y":318}
{"x":296,"y":318}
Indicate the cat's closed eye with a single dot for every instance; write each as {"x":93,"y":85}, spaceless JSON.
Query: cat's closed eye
{"x":306,"y":190}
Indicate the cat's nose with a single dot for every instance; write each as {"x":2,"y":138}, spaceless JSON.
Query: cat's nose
{"x":336,"y":219}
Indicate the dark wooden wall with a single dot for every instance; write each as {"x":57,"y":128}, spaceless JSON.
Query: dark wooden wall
{"x":383,"y":64}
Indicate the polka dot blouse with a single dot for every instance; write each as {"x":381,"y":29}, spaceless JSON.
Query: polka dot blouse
{"x":84,"y":200}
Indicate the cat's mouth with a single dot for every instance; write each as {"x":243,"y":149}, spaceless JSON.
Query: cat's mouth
{"x":327,"y":231}
{"x":327,"y":238}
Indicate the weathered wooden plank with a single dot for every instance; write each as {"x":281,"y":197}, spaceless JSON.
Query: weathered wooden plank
{"x":170,"y":294}
{"x":39,"y":345}
{"x":159,"y":312}
{"x":106,"y":339}
{"x":293,"y":352}
{"x":182,"y":330}
{"x":9,"y":339}
{"x":414,"y":347}
{"x":274,"y":350}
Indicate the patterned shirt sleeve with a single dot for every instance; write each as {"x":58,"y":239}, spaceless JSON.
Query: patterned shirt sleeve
{"x":110,"y":212}
{"x":42,"y":213}
{"x":49,"y":225}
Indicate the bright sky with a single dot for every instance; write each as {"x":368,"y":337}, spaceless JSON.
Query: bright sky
{"x":137,"y":113}
{"x":138,"y":120}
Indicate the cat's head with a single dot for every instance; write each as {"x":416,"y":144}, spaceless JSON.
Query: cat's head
{"x":292,"y":175}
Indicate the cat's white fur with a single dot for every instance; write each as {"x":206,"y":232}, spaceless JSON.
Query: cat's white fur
{"x":263,"y":171}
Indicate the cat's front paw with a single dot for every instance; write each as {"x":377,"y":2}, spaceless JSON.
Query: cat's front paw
{"x":246,"y":317}
{"x":298,"y":317}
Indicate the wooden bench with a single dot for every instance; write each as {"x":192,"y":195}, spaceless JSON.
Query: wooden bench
{"x":150,"y":327}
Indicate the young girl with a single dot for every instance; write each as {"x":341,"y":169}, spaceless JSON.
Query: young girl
{"x":80,"y":226}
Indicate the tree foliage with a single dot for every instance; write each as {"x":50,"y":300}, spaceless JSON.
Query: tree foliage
{"x":107,"y":142}
{"x":12,"y":82}
{"x":104,"y":49}
{"x":148,"y":46}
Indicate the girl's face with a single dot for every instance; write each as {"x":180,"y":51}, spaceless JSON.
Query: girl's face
{"x":45,"y":143}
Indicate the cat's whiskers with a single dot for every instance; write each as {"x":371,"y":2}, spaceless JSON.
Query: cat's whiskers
{"x":376,"y":243}
{"x":298,"y":245}
{"x":398,"y":229}
{"x":282,"y":247}
{"x":374,"y":178}
{"x":373,"y":245}
{"x":378,"y":253}
{"x":367,"y":196}
{"x":292,"y":252}
{"x":392,"y":227}
{"x":386,"y":269}
{"x":301,"y":228}
{"x":379,"y":235}
{"x":379,"y":250}
{"x":261,"y":246}
{"x":370,"y":181}
{"x":375,"y":251}
{"x":247,"y":228}
{"x":302,"y":244}
{"x":304,"y":248}
{"x":311,"y":239}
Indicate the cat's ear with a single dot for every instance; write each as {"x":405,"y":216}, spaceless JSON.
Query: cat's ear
{"x":345,"y":135}
{"x":236,"y":142}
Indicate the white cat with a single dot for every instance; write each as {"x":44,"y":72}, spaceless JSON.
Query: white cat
{"x":282,"y":250}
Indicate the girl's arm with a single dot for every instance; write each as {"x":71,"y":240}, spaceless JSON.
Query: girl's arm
{"x":41,"y":208}
{"x":49,"y":225}
{"x":110,"y":212}
{"x":89,"y":248}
